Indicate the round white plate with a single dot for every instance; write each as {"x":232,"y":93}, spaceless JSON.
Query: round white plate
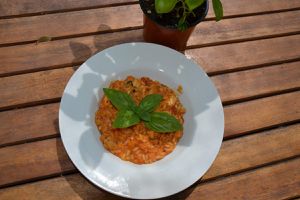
{"x":193,"y":155}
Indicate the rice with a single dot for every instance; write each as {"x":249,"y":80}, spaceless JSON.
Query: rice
{"x":138,"y":144}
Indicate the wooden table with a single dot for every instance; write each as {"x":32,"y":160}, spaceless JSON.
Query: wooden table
{"x":252,"y":56}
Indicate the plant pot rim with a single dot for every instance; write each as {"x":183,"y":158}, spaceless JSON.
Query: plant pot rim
{"x":141,"y":2}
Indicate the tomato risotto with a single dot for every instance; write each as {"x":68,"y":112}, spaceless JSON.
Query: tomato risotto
{"x":137,"y":143}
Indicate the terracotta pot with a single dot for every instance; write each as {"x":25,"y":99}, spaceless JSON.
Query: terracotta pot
{"x":168,"y":36}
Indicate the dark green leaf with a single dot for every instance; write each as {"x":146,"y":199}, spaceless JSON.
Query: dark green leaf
{"x":182,"y":24}
{"x":121,"y":100}
{"x":150,"y":102}
{"x":192,"y":4}
{"x":43,"y":39}
{"x":164,"y":6}
{"x":163,"y":122}
{"x":218,"y":9}
{"x":144,"y":115}
{"x":125,"y":119}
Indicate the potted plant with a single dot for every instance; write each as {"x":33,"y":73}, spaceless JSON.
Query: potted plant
{"x":171,"y":22}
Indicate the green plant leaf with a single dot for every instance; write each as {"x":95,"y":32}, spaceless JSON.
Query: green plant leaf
{"x":121,"y":100}
{"x":125,"y":119}
{"x":218,"y":9}
{"x":192,"y":4}
{"x":163,"y":122}
{"x":150,"y":102}
{"x":164,"y":6}
{"x":145,"y":116}
{"x":182,"y":24}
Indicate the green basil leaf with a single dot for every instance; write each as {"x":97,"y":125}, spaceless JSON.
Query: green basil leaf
{"x":144,"y":115}
{"x":218,"y":9}
{"x":125,"y":119}
{"x":192,"y":4}
{"x":121,"y":100}
{"x":163,"y":122}
{"x":150,"y":102}
{"x":164,"y":6}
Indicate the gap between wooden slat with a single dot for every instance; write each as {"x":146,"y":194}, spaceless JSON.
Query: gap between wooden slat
{"x":228,"y":97}
{"x":206,"y":178}
{"x":193,"y":55}
{"x":71,"y":10}
{"x":120,"y":29}
{"x":210,"y":16}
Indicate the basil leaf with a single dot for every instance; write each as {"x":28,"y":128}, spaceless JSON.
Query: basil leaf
{"x":163,"y":122}
{"x":164,"y":6}
{"x":121,"y":100}
{"x":144,"y":115}
{"x":125,"y":118}
{"x":150,"y":102}
{"x":218,"y":9}
{"x":192,"y":4}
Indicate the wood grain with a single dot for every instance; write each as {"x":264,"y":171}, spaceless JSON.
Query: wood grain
{"x":248,"y":7}
{"x":279,"y":181}
{"x":41,"y":121}
{"x":35,"y":87}
{"x":32,"y":160}
{"x":41,"y":86}
{"x":62,"y":24}
{"x":99,"y":20}
{"x":23,"y":125}
{"x":19,"y":59}
{"x":245,"y":28}
{"x":15,"y":7}
{"x":236,"y":155}
{"x":217,"y":59}
{"x":257,"y":82}
{"x":60,"y":52}
{"x":260,"y":114}
{"x":252,"y":147}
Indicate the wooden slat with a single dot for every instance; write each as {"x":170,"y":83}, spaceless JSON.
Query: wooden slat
{"x":280,"y":181}
{"x":23,"y":58}
{"x":15,"y":7}
{"x":237,"y":8}
{"x":283,"y":77}
{"x":62,"y":24}
{"x":260,"y":114}
{"x":243,"y":55}
{"x":242,"y":28}
{"x":235,"y":155}
{"x":17,"y":59}
{"x":231,"y":7}
{"x":40,"y":86}
{"x":35,"y":87}
{"x":97,"y":20}
{"x":29,"y":123}
{"x":257,"y":82}
{"x":252,"y":147}
{"x":33,"y":160}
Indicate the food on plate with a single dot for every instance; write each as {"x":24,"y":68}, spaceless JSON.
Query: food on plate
{"x":140,"y":120}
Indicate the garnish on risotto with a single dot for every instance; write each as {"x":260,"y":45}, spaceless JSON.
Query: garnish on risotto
{"x":140,"y":119}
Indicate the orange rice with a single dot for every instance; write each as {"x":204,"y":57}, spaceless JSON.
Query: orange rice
{"x":138,"y":144}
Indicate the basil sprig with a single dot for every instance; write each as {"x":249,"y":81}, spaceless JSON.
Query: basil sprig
{"x":130,"y":114}
{"x":162,"y":122}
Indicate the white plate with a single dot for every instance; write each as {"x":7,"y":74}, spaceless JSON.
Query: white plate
{"x":203,"y":127}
